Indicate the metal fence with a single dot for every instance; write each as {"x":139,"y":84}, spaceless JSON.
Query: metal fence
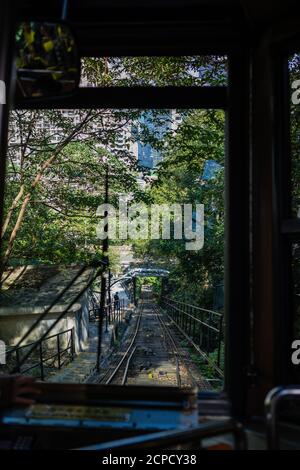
{"x":114,"y":312}
{"x":50,"y":356}
{"x":204,"y":328}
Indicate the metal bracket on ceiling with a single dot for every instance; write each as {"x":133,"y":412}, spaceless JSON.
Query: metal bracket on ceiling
{"x":64,"y":9}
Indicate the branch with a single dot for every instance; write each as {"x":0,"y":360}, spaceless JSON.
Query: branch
{"x":34,"y":184}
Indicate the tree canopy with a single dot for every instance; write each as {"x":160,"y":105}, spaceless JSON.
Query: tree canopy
{"x":58,"y":161}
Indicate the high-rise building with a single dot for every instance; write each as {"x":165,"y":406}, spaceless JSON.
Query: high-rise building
{"x":158,"y":125}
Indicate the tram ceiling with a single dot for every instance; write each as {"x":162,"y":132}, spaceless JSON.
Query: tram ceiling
{"x":105,"y":26}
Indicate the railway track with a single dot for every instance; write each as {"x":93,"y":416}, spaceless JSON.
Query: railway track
{"x":178,"y":356}
{"x":124,"y":352}
{"x":151,"y":356}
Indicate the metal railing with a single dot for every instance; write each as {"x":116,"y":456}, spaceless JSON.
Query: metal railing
{"x":43,"y":355}
{"x":128,"y":292}
{"x":273,"y":401}
{"x":202,"y":327}
{"x":174,"y":437}
{"x":94,"y":306}
{"x":114,"y":313}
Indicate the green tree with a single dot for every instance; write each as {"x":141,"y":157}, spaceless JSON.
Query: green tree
{"x":57,"y":165}
{"x":179,"y":179}
{"x":57,"y":158}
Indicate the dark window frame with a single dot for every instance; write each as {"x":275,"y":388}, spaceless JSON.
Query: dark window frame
{"x":286,"y":227}
{"x":235,"y":101}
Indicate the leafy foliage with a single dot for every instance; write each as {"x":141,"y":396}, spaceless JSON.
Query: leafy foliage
{"x":58,"y":162}
{"x":179,"y":179}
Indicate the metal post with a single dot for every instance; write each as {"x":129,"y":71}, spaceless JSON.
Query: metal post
{"x":72,"y":343}
{"x":18,"y":360}
{"x":106,"y":319}
{"x":201,"y":331}
{"x":64,"y":9}
{"x":41,"y":361}
{"x":103,"y":277}
{"x":220,"y":340}
{"x":58,"y":351}
{"x":109,"y":294}
{"x":134,"y":291}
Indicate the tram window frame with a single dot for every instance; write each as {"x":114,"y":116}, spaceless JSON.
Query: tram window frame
{"x":286,"y":227}
{"x":201,"y":39}
{"x":233,"y":100}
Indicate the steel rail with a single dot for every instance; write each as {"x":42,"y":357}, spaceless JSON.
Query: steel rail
{"x":173,"y":345}
{"x":178,"y":354}
{"x":131,"y":349}
{"x":116,"y":369}
{"x":115,"y":363}
{"x":175,"y":350}
{"x":127,"y":366}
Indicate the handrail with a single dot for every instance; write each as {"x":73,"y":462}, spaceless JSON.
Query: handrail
{"x":195,"y":307}
{"x":174,"y":437}
{"x":110,"y":378}
{"x":99,"y":271}
{"x":204,"y":336}
{"x":195,"y":318}
{"x":272,"y":402}
{"x":113,"y":313}
{"x":42,"y":360}
{"x":13,"y":348}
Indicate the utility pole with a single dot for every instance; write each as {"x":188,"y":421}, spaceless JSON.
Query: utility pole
{"x":134,"y":291}
{"x":109,"y":293}
{"x":104,"y":275}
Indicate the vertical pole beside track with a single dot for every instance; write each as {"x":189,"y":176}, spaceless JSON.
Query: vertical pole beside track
{"x":103,"y":277}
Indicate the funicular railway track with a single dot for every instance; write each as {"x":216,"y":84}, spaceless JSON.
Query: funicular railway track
{"x":151,"y":356}
{"x":116,"y":366}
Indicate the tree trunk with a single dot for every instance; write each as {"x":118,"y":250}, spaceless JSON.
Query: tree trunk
{"x":11,"y":209}
{"x":34,"y":184}
{"x":15,"y":229}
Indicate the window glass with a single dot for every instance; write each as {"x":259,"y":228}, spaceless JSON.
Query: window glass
{"x":161,"y":172}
